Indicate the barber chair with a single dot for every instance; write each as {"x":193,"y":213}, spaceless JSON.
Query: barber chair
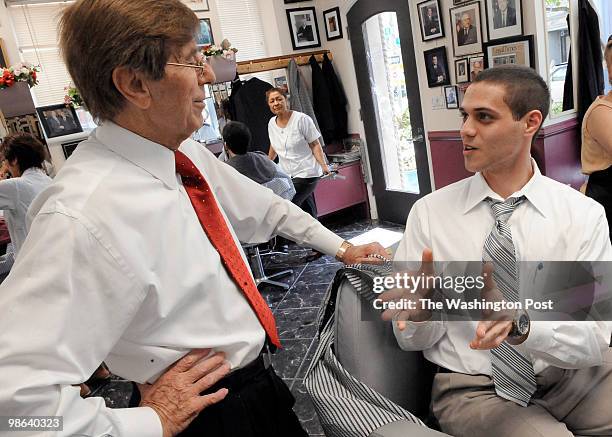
{"x":365,"y":347}
{"x":254,"y":253}
{"x":281,"y":186}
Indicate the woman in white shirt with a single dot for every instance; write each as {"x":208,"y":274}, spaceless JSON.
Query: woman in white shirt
{"x":295,"y":140}
{"x":22,"y":157}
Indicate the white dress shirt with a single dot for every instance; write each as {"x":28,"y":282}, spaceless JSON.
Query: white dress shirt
{"x":292,"y":145}
{"x":555,"y":223}
{"x":16,"y":195}
{"x":117,"y":268}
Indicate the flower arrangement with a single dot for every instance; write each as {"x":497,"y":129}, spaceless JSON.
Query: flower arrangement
{"x":225,"y":49}
{"x":24,"y":72}
{"x":73,"y":97}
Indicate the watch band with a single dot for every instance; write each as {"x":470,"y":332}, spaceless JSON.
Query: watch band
{"x":342,"y":251}
{"x":518,"y":335}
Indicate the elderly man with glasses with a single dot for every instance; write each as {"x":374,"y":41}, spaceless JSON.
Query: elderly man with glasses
{"x":133,"y":255}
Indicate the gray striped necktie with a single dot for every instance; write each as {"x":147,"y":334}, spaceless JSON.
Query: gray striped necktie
{"x":512,"y":371}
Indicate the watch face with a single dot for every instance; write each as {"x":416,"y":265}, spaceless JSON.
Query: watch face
{"x":522,"y":324}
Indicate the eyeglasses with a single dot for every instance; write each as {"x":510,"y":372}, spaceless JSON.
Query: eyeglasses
{"x":200,"y":65}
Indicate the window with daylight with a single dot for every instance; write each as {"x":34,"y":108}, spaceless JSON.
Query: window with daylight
{"x":35,"y":26}
{"x":241,"y":24}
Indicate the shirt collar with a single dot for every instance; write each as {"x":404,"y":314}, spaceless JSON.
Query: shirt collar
{"x":32,"y":170}
{"x":534,"y":190}
{"x":151,"y":157}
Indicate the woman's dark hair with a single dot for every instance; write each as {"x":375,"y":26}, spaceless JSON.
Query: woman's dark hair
{"x":237,"y":137}
{"x":275,"y":90}
{"x":25,"y":148}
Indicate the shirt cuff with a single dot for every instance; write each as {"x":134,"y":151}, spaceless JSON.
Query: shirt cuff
{"x":139,"y":422}
{"x":326,"y":241}
{"x":538,"y":334}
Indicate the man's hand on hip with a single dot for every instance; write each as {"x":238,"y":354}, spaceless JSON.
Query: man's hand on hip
{"x":175,"y":396}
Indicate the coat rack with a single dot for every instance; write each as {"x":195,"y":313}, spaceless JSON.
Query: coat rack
{"x":279,"y":62}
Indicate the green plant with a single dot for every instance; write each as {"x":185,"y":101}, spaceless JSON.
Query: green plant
{"x":73,"y":97}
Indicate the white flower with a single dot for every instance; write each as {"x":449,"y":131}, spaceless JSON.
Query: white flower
{"x":25,"y":71}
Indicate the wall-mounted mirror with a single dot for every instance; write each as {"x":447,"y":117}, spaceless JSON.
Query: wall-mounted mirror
{"x":559,"y":43}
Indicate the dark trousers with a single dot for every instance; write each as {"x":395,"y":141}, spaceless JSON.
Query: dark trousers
{"x":258,"y":404}
{"x":599,"y":188}
{"x":304,"y":197}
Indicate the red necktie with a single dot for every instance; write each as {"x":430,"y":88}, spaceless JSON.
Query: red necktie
{"x":218,"y":233}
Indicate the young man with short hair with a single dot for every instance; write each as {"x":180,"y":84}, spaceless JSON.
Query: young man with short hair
{"x":552,"y":378}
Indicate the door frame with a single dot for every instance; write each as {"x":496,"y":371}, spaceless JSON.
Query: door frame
{"x":392,"y":206}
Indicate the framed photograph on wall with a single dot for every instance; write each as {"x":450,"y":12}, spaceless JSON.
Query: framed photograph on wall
{"x":303,"y":28}
{"x":59,"y":120}
{"x":460,"y":2}
{"x":205,"y":36}
{"x":333,"y":24}
{"x":466,"y":29}
{"x":513,"y":51}
{"x":436,"y":65}
{"x":281,"y":82}
{"x":430,"y":19}
{"x":476,"y":64}
{"x":451,"y":95}
{"x":197,"y":5}
{"x":462,"y":70}
{"x":504,"y":18}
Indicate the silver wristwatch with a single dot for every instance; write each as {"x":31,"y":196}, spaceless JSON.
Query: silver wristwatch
{"x":520,"y":328}
{"x":342,"y":251}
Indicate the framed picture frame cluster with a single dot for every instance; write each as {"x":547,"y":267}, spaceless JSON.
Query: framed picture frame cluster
{"x":304,"y":27}
{"x":482,"y":36}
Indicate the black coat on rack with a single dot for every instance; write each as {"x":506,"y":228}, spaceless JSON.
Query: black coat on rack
{"x":248,"y":104}
{"x":590,"y":73}
{"x":321,"y":102}
{"x":337,"y":98}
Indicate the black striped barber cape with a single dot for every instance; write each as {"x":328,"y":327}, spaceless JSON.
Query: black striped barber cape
{"x":346,"y":407}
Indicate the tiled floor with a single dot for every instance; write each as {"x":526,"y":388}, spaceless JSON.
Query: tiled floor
{"x":295,"y":310}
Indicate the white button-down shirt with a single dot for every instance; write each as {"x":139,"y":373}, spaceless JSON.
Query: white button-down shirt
{"x":555,"y":223}
{"x":117,"y":268}
{"x":16,"y":195}
{"x":292,"y":145}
